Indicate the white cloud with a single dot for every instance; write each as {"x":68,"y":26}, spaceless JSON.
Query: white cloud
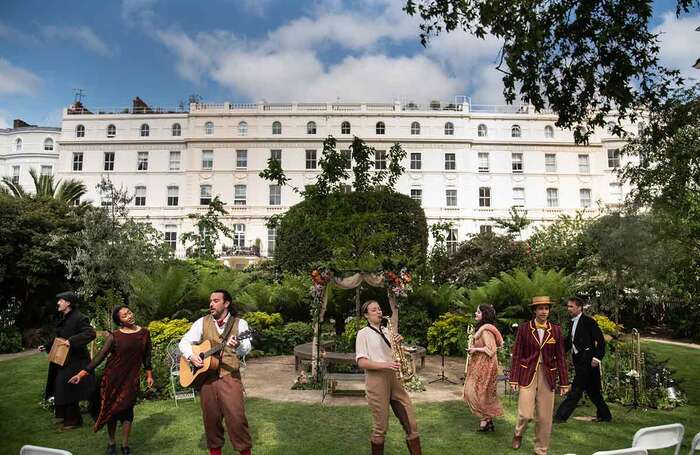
{"x":137,"y":10}
{"x":255,"y":7}
{"x":12,"y":34}
{"x":679,"y":43}
{"x":17,"y":81}
{"x":81,"y":35}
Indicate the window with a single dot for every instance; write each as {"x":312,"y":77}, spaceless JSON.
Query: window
{"x":379,"y":159}
{"x":483,"y":162}
{"x":451,"y":198}
{"x":145,"y":130}
{"x":173,"y":196}
{"x":271,"y":241}
{"x":204,"y":194}
{"x":142,"y":161}
{"x":548,"y":132}
{"x":516,"y":162}
{"x":239,"y":235}
{"x":276,"y":155}
{"x":519,"y":197}
{"x":77,"y":161}
{"x":241,"y":159}
{"x":111,"y":130}
{"x":347,"y":156}
{"x":171,"y":236}
{"x":449,"y":129}
{"x":584,"y":164}
{"x":176,"y":130}
{"x":174,"y":161}
{"x":485,"y":229}
{"x":484,"y":196}
{"x":380,"y":128}
{"x":239,"y":195}
{"x":242,"y":128}
{"x":585,"y":197}
{"x":482,"y":130}
{"x":311,"y":159}
{"x":347,"y":189}
{"x":450,"y":162}
{"x":416,"y":161}
{"x":613,"y":158}
{"x":108,"y":161}
{"x":311,"y":128}
{"x":615,"y":192}
{"x":417,"y":195}
{"x":611,"y":128}
{"x":345,"y":128}
{"x":15,"y":175}
{"x":275,"y":195}
{"x":46,"y":170}
{"x":207,"y":160}
{"x":80,"y":131}
{"x":515,"y":131}
{"x":209,"y":128}
{"x":276,"y":127}
{"x":550,"y":162}
{"x":451,"y":241}
{"x":48,"y":144}
{"x":415,"y":128}
{"x":552,"y":197}
{"x":18,"y":145}
{"x":140,"y":196}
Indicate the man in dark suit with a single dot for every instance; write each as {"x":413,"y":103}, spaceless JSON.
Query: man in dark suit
{"x":587,"y":345}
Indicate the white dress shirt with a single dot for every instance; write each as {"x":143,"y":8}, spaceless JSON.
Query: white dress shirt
{"x":574,"y":322}
{"x":194,"y":336}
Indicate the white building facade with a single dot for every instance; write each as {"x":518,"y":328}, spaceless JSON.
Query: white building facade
{"x":465,"y":164}
{"x":26,"y":147}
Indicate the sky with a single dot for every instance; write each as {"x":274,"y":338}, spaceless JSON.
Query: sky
{"x":250,"y":51}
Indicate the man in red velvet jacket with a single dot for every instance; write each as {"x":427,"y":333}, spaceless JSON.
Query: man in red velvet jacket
{"x":538,"y":357}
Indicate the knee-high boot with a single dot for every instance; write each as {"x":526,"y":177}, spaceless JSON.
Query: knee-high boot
{"x":414,"y":446}
{"x":377,"y":448}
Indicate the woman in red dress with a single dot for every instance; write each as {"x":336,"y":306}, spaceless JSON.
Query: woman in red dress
{"x":129,"y":347}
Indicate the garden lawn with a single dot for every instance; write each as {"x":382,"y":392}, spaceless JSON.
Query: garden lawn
{"x":288,"y":428}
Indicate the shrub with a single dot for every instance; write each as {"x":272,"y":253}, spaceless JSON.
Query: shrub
{"x":413,"y":324}
{"x":346,"y":341}
{"x":10,"y":340}
{"x":166,"y":330}
{"x":607,"y":326}
{"x":278,"y":340}
{"x":449,"y":334}
{"x":259,"y":320}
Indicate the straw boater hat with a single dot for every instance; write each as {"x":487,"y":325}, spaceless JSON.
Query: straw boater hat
{"x":540,"y":300}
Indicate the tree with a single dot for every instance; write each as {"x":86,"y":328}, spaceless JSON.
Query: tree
{"x":208,"y":228}
{"x":560,"y":244}
{"x":587,"y":61}
{"x":67,"y":191}
{"x":516,"y":224}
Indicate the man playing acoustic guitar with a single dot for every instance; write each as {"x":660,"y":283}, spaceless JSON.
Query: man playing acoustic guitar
{"x":222,"y":393}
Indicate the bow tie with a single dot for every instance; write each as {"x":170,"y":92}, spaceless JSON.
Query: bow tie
{"x":221,"y":323}
{"x":541,"y":326}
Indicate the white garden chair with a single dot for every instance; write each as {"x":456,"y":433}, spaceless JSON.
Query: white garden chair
{"x":695,"y":445}
{"x":174,"y":358}
{"x":630,"y":451}
{"x":659,"y":437}
{"x":36,"y":450}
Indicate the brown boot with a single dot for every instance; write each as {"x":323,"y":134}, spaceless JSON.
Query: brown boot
{"x":517,"y":441}
{"x":377,"y":448}
{"x":414,"y":446}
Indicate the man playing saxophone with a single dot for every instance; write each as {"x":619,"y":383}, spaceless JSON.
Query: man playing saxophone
{"x":384,"y":388}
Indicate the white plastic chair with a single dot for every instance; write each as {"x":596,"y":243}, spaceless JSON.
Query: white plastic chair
{"x":630,"y":451}
{"x":36,"y":450}
{"x":659,"y":437}
{"x":695,"y":446}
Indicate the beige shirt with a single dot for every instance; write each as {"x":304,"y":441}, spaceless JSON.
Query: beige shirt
{"x":370,"y":345}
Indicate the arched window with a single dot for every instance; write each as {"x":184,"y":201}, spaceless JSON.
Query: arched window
{"x":80,"y":131}
{"x":345,"y":128}
{"x":242,"y":128}
{"x":48,"y":144}
{"x":111,"y":130}
{"x":515,"y":131}
{"x":449,"y":129}
{"x":18,"y":145}
{"x":380,"y":128}
{"x":415,"y":128}
{"x":209,"y":128}
{"x":311,"y":128}
{"x":482,"y":130}
{"x":276,"y":127}
{"x":611,"y":128}
{"x":145,"y":130}
{"x":548,"y":132}
{"x":176,"y":129}
{"x":640,"y":129}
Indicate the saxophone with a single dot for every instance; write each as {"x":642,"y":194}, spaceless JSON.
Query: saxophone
{"x":407,"y":369}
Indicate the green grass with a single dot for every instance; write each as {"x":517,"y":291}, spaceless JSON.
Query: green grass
{"x":287,"y":428}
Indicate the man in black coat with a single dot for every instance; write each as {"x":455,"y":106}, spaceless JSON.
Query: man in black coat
{"x":75,"y":328}
{"x":587,"y":345}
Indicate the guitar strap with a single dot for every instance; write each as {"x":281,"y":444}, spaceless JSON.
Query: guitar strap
{"x":227,"y":331}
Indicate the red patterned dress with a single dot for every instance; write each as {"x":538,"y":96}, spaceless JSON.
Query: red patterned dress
{"x":480,"y":384}
{"x":120,"y":380}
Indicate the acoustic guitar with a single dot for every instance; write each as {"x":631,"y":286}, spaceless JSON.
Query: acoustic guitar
{"x":192,"y":376}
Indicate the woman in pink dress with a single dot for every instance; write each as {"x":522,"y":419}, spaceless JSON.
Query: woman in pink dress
{"x":480,"y":384}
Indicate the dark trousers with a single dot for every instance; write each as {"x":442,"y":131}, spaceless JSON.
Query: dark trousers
{"x":587,"y":380}
{"x":70,"y":413}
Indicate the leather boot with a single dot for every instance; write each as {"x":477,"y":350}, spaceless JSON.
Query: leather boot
{"x":414,"y":446}
{"x":517,"y":441}
{"x":377,"y":448}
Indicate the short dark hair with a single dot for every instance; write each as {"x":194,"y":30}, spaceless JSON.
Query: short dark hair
{"x":488,"y":315}
{"x":578,"y":301}
{"x":115,"y":314}
{"x":227,"y":295}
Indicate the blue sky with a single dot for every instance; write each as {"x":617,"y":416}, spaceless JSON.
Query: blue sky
{"x":248,"y":50}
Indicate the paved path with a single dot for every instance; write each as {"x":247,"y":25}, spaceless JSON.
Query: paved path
{"x":675,"y":343}
{"x":17,"y":354}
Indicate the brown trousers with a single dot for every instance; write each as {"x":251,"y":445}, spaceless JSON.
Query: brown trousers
{"x":223,"y":398}
{"x":536,"y":401}
{"x":383,"y":389}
